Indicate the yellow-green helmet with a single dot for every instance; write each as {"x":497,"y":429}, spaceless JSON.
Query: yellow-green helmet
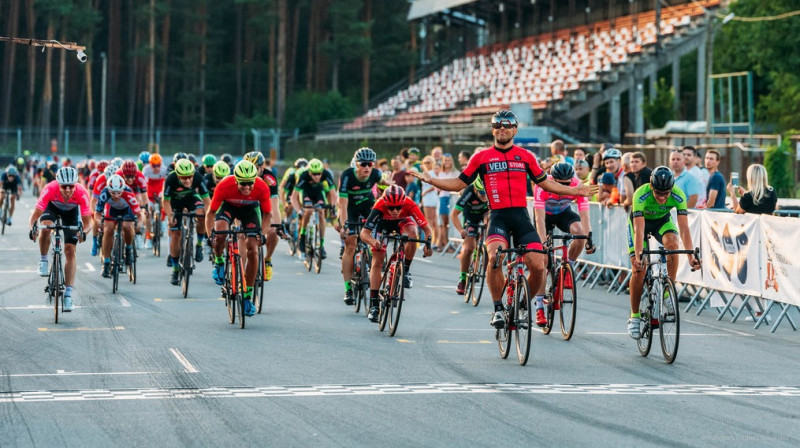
{"x":245,"y":171}
{"x":315,"y":166}
{"x":184,"y":168}
{"x":478,"y":184}
{"x":221,"y":169}
{"x":255,"y":157}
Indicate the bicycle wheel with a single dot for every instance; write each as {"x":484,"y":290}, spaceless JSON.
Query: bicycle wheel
{"x":471,"y":277}
{"x":116,"y":263}
{"x":258,"y":286}
{"x":383,"y":295}
{"x":186,"y":265}
{"x":477,"y":289}
{"x":155,"y":236}
{"x":292,"y":237}
{"x":669,"y":321}
{"x":132,"y":266}
{"x":309,"y":261}
{"x":317,"y":253}
{"x":549,"y":302}
{"x":646,"y":330}
{"x":355,"y":281}
{"x":503,"y":335}
{"x":240,"y":288}
{"x":230,"y":298}
{"x":365,"y":268}
{"x":5,"y":214}
{"x":567,"y":299}
{"x":397,"y":297}
{"x":54,"y":285}
{"x":522,"y":321}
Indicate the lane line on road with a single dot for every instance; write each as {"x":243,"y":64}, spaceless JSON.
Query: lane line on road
{"x":35,"y":307}
{"x":405,"y":341}
{"x":65,"y":373}
{"x":82,"y":329}
{"x":20,"y":271}
{"x":740,"y":333}
{"x":676,"y":390}
{"x":445,"y":341}
{"x":123,"y":301}
{"x":182,"y":359}
{"x":90,"y":268}
{"x":624,"y":333}
{"x":189,"y":299}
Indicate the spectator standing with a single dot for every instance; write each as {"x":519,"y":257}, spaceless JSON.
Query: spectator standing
{"x":598,"y":168}
{"x":399,"y":172}
{"x":436,"y":153}
{"x":413,"y":189}
{"x":760,"y":198}
{"x":627,"y":199}
{"x":693,"y":167}
{"x":412,"y":158}
{"x":429,"y":195}
{"x":583,"y":171}
{"x":449,"y":171}
{"x":715,"y":191}
{"x":613,"y":164}
{"x":579,"y":154}
{"x":689,"y":184}
{"x":382,"y":164}
{"x":558,"y":153}
{"x":639,"y":173}
{"x":463,"y":159}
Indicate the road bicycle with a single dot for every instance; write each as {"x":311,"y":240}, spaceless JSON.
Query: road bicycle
{"x":362,"y":260}
{"x":313,"y":253}
{"x":294,"y":229}
{"x":392,"y":293}
{"x":659,"y":305}
{"x":234,"y":287}
{"x":517,"y":305}
{"x":560,"y":293}
{"x":186,"y":257}
{"x":258,"y":285}
{"x":6,"y":209}
{"x":55,"y":281}
{"x":155,"y":226}
{"x":118,"y":261}
{"x":476,"y":273}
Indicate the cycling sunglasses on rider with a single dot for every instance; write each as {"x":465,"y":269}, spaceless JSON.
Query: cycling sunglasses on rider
{"x":506,"y":123}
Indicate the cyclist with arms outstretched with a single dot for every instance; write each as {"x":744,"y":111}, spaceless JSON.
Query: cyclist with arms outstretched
{"x":506,"y":170}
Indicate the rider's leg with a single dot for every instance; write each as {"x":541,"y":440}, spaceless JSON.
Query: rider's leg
{"x":495,"y":277}
{"x":347,"y":259}
{"x":69,"y":265}
{"x":670,"y":241}
{"x":108,"y":239}
{"x":127,"y":233}
{"x":466,"y":255}
{"x":576,"y":246}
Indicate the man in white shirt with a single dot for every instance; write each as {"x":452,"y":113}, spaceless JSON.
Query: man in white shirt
{"x":694,"y":167}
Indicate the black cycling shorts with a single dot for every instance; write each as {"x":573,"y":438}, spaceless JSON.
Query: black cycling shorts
{"x":189,"y":203}
{"x":355,"y":219}
{"x":68,"y":218}
{"x":561,"y":220}
{"x":471,"y":225}
{"x":250,"y":217}
{"x":512,"y":225}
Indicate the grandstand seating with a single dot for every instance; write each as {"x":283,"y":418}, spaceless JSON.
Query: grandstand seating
{"x":536,"y":70}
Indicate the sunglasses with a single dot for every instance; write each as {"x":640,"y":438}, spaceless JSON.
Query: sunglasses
{"x":661,"y":193}
{"x":156,"y":165}
{"x":246,"y":184}
{"x":130,"y":177}
{"x":505,"y":124}
{"x":365,"y":164}
{"x":395,"y":208}
{"x":67,"y":187}
{"x":185,"y":177}
{"x":316,"y":174}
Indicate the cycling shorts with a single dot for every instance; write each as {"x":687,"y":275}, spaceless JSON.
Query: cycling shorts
{"x":355,"y":219}
{"x":185,"y":205}
{"x":68,"y":218}
{"x":655,"y":227}
{"x":313,"y":196}
{"x":512,"y":225}
{"x":561,"y":220}
{"x":250,"y":217}
{"x":471,"y":226}
{"x":125,"y":213}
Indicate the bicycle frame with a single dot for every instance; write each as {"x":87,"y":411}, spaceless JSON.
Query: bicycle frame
{"x":392,"y":290}
{"x":234,"y":286}
{"x":517,"y":309}
{"x":55,"y":282}
{"x":558,"y":268}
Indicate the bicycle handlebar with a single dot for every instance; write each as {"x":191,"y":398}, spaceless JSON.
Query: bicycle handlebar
{"x":238,"y":232}
{"x":406,"y":239}
{"x":182,"y":214}
{"x":662,"y":251}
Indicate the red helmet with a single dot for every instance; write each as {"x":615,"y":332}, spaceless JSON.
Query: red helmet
{"x":101,"y":165}
{"x":394,"y":196}
{"x":129,"y":168}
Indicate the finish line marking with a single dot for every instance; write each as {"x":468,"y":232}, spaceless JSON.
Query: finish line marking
{"x":398,"y":389}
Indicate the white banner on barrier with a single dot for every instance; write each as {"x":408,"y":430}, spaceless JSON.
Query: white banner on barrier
{"x":779,"y":259}
{"x":615,"y":241}
{"x":685,"y":274}
{"x":730,"y":247}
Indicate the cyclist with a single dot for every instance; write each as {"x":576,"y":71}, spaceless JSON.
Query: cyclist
{"x":245,"y":197}
{"x":220,"y":171}
{"x":265,"y":173}
{"x":68,"y":199}
{"x":175,"y":157}
{"x":287,"y":184}
{"x":650,"y":215}
{"x":184,"y":188}
{"x":12,"y":184}
{"x":155,"y":173}
{"x":314,"y":186}
{"x":394,"y":212}
{"x":552,"y":210}
{"x":208,"y":163}
{"x":100,"y":167}
{"x":117,"y":200}
{"x":474,"y":204}
{"x":506,"y":171}
{"x":227,"y":158}
{"x":136,"y":181}
{"x":144,"y":159}
{"x":97,"y":188}
{"x":355,"y":203}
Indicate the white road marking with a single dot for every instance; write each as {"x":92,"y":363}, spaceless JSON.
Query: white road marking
{"x":65,"y":373}
{"x":625,"y":333}
{"x":19,"y":249}
{"x":440,"y":286}
{"x":422,"y":260}
{"x":182,"y":359}
{"x":34,"y":307}
{"x":20,"y":271}
{"x":90,"y":268}
{"x":123,"y":301}
{"x":677,"y":390}
{"x":740,"y":333}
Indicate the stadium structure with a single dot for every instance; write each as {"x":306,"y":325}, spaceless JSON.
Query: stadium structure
{"x":580,"y":70}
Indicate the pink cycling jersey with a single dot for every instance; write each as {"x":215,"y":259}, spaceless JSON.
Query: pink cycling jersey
{"x":554,"y":204}
{"x":505,"y":174}
{"x":51,"y":194}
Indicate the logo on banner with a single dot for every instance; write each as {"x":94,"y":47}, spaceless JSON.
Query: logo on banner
{"x":771,"y":282}
{"x":729,"y":257}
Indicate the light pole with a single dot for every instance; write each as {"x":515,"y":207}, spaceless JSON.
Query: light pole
{"x":103,"y":104}
{"x":712,"y":30}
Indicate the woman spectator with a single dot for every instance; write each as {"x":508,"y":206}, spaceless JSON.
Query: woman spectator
{"x":579,"y":154}
{"x":449,"y":171}
{"x":760,"y":199}
{"x":430,"y":198}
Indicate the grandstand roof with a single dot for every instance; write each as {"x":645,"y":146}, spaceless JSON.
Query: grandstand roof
{"x":422,"y":8}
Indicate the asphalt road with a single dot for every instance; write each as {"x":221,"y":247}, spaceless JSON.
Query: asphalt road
{"x":146,"y":367}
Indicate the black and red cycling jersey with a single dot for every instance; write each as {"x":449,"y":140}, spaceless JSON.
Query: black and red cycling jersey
{"x":505,"y":175}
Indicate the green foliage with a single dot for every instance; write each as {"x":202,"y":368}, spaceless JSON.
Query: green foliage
{"x":778,"y":161}
{"x":305,"y":109}
{"x":259,"y":120}
{"x":782,"y":104}
{"x":659,"y":110}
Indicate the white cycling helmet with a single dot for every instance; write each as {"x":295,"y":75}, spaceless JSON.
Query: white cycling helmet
{"x":110,"y":170}
{"x":116,"y":183}
{"x":67,"y":176}
{"x":117,"y":162}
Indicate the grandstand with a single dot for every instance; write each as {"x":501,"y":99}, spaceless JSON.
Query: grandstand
{"x":565,"y":75}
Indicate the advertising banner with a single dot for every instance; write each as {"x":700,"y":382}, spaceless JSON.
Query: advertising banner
{"x":780,"y":260}
{"x":615,"y":240}
{"x":685,"y":274}
{"x":730,"y":248}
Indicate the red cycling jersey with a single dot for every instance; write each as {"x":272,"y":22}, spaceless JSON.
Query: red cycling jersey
{"x":99,"y":184}
{"x":139,"y":184}
{"x":505,"y":175}
{"x":380,"y":212}
{"x":227,"y":191}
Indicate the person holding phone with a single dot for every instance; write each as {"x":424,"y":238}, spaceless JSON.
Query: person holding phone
{"x":760,"y":198}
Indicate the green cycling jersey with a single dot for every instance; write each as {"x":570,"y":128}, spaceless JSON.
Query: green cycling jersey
{"x":646,"y":206}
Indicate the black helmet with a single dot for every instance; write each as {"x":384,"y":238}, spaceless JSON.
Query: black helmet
{"x":192,"y":158}
{"x":662,"y":179}
{"x":504,"y":116}
{"x":365,"y":155}
{"x":178,"y":156}
{"x":562,"y":171}
{"x":227,"y":158}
